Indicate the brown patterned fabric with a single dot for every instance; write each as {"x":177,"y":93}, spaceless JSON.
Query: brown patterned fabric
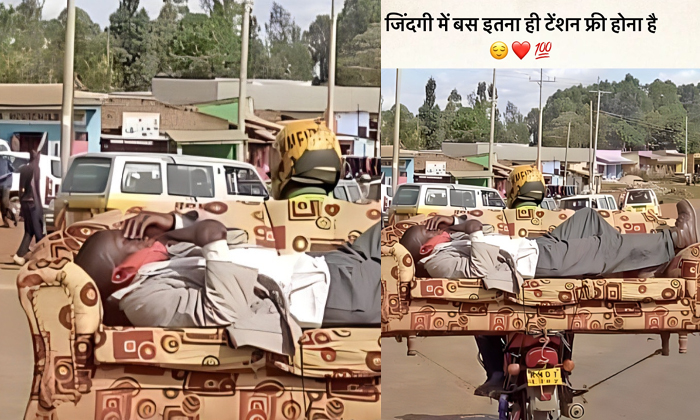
{"x":413,"y":306}
{"x":85,"y":370}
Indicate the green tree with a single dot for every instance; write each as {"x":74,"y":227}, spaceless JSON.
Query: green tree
{"x":359,"y":62}
{"x":90,"y":49}
{"x":289,"y":55}
{"x":31,"y":9}
{"x":429,"y":116}
{"x":515,"y":127}
{"x":454,"y":102}
{"x":258,"y":60}
{"x":355,"y":19}
{"x":409,"y":132}
{"x":135,"y":62}
{"x":318,"y":37}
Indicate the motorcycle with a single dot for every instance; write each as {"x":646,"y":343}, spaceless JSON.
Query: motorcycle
{"x":537,"y":368}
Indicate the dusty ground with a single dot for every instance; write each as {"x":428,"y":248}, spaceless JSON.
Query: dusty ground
{"x":16,"y":354}
{"x":438,"y":383}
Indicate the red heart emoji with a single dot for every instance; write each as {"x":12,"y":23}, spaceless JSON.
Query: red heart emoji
{"x":521,"y":50}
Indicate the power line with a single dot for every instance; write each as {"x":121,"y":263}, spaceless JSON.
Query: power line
{"x":641,"y":122}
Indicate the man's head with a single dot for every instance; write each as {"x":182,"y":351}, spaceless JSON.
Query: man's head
{"x":102,"y":253}
{"x":415,"y":237}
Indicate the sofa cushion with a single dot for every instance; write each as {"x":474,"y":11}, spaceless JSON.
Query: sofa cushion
{"x":347,"y":352}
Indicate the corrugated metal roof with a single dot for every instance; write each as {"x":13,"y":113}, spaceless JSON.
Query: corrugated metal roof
{"x":470,"y":174}
{"x":516,"y":152}
{"x":388,"y":152}
{"x":277,"y":95}
{"x":206,"y":136}
{"x":43,"y":95}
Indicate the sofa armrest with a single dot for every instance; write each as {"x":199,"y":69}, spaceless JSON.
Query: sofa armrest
{"x":397,"y":273}
{"x":63,"y":307}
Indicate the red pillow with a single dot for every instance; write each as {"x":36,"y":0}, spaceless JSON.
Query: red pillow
{"x":124,"y":274}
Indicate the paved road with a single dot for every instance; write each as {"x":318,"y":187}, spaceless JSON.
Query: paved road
{"x":438,"y":383}
{"x":16,"y":354}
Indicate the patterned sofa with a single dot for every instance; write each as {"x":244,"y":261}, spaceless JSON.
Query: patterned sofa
{"x":86,"y":370}
{"x":426,"y":306}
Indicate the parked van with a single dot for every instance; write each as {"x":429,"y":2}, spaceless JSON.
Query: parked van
{"x":595,"y":201}
{"x":639,"y":200}
{"x":348,"y":190}
{"x":422,"y":198}
{"x":549,"y":204}
{"x":97,"y":182}
{"x":50,"y":181}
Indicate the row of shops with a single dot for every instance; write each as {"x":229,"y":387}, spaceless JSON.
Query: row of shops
{"x":193,"y":117}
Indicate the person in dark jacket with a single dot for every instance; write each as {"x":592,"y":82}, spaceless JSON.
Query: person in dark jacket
{"x":6,"y":170}
{"x":31,"y":209}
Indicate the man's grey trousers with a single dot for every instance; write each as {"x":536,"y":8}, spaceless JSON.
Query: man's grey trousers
{"x":586,"y":245}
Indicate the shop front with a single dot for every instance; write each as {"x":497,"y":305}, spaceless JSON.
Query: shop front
{"x":32,"y":113}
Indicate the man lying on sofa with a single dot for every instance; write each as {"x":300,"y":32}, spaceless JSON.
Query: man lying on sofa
{"x":187,"y":276}
{"x":584,"y":245}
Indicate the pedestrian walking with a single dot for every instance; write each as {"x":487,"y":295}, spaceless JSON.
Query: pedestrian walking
{"x":30,"y":205}
{"x":6,"y":170}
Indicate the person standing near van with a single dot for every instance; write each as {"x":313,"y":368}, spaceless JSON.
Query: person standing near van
{"x":30,"y":205}
{"x":6,"y":171}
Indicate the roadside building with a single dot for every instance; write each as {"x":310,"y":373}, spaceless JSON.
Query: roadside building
{"x":356,"y":108}
{"x":261,"y":133}
{"x":610,"y":163}
{"x":30,"y":112}
{"x":436,"y":166}
{"x":138,"y":122}
{"x":406,"y":164}
{"x":661,"y":163}
{"x":512,"y":154}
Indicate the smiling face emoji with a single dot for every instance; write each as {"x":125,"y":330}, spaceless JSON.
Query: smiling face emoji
{"x":499,"y":50}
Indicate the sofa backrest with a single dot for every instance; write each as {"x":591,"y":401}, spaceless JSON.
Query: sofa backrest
{"x":533,"y":222}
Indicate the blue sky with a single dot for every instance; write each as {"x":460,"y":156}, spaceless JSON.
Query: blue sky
{"x":512,"y":84}
{"x":303,"y":11}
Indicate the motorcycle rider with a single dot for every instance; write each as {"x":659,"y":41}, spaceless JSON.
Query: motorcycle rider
{"x":583,"y":245}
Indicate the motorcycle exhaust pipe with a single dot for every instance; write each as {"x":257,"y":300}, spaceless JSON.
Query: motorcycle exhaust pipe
{"x":575,"y":410}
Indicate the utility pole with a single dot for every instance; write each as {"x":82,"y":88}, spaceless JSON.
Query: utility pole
{"x":397,"y":142}
{"x":109,"y":65}
{"x":566,"y":153}
{"x":597,"y":129}
{"x":379,"y":129}
{"x":243,"y":79}
{"x":539,"y":125}
{"x":493,"y":127}
{"x":590,"y":150}
{"x":67,"y":104}
{"x":331,"y":71}
{"x":685,"y":161}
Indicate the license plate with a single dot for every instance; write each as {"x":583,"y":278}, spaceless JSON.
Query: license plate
{"x":540,"y":377}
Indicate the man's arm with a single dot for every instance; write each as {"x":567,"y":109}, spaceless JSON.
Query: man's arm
{"x":454,"y":265}
{"x":206,"y":302}
{"x":152,"y":224}
{"x":201,"y":233}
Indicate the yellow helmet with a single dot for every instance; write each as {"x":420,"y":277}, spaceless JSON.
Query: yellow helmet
{"x":525,"y":187}
{"x":306,"y":154}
